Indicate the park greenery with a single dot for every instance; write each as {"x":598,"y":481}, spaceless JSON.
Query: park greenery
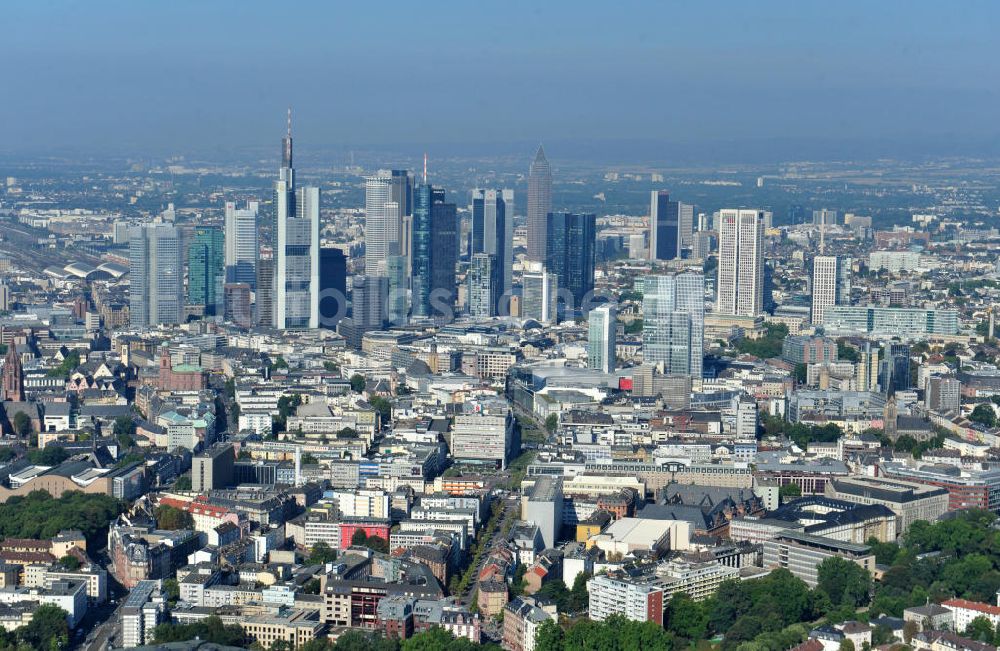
{"x":172,"y":518}
{"x":47,"y":630}
{"x":767,"y":346}
{"x":39,"y":515}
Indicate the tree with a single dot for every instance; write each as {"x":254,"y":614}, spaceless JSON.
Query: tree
{"x":171,"y":518}
{"x":579,"y":598}
{"x":51,"y":455}
{"x":549,"y":637}
{"x":48,"y":628}
{"x":183,"y":483}
{"x":382,"y":407}
{"x":331,"y":367}
{"x":686,"y":618}
{"x":801,"y":373}
{"x":172,"y":590}
{"x":70,"y":562}
{"x":984,"y":415}
{"x":910,"y":629}
{"x":359,"y":538}
{"x":845,"y":582}
{"x":846,"y":645}
{"x":22,"y":424}
{"x":980,"y":629}
{"x":789,"y":491}
{"x":322,"y":553}
{"x":358,"y":383}
{"x":551,"y":423}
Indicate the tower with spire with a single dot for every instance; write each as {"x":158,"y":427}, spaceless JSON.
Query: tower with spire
{"x":13,"y":376}
{"x":539,"y":205}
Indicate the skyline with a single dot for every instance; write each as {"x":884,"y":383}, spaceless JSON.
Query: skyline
{"x":115,"y":78}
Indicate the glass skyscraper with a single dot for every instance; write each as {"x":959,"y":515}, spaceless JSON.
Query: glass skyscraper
{"x":673,"y":327}
{"x":570,"y":254}
{"x":156,"y":286}
{"x":483,"y":285}
{"x":206,"y":268}
{"x":539,"y":205}
{"x":601,"y":331}
{"x":664,"y":227}
{"x":435,"y":251}
{"x":493,"y":230}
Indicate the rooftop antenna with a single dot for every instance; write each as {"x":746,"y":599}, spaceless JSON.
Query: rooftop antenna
{"x":289,"y":121}
{"x":425,"y":168}
{"x":822,"y":236}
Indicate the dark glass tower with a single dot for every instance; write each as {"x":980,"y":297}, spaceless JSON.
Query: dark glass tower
{"x":332,"y":287}
{"x":435,"y":249}
{"x":206,"y":268}
{"x":664,"y":227}
{"x":570,"y":253}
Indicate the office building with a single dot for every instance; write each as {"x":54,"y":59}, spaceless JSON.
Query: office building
{"x":824,"y":217}
{"x":434,"y":255}
{"x":601,"y":330}
{"x":296,"y":284}
{"x":673,"y":327}
{"x":889,"y":321}
{"x":242,"y":248}
{"x":801,"y":349}
{"x":483,"y":286}
{"x":388,"y":197}
{"x":143,"y":609}
{"x":398,"y":305}
{"x":741,"y":263}
{"x":156,"y":276}
{"x":867,"y":368}
{"x":213,"y":468}
{"x":570,"y":256}
{"x":206,"y":268}
{"x":802,"y":554}
{"x":664,"y":227}
{"x":685,"y":224}
{"x":943,"y":394}
{"x":283,"y":203}
{"x":265,"y":292}
{"x":493,"y":230}
{"x":539,"y":206}
{"x":894,"y":372}
{"x":237,"y":308}
{"x":332,"y":287}
{"x":539,"y":294}
{"x":910,"y":501}
{"x":831,"y":284}
{"x":369,"y":297}
{"x":486,"y":432}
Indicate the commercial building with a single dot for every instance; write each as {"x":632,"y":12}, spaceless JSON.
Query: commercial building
{"x":242,"y":248}
{"x":802,"y":553}
{"x":388,"y":198}
{"x":156,"y":276}
{"x":910,"y":501}
{"x":601,"y":335}
{"x":297,"y":274}
{"x":539,"y":205}
{"x":800,"y":349}
{"x":741,"y":263}
{"x":486,"y":433}
{"x":569,"y":254}
{"x":664,"y":227}
{"x":213,"y":468}
{"x":434,"y":254}
{"x":539,"y":295}
{"x":673,"y":326}
{"x":206,"y":269}
{"x":493,"y":231}
{"x":890,"y":321}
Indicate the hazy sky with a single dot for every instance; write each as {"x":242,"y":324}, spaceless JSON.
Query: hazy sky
{"x":201,"y":76}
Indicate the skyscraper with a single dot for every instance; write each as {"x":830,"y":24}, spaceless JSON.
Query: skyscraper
{"x":570,"y":254}
{"x":332,"y":287}
{"x":284,"y":187}
{"x":539,"y":205}
{"x":673,"y":326}
{"x":685,"y":224}
{"x":398,"y":306}
{"x":741,"y":263}
{"x":895,"y":368}
{"x":369,"y":295}
{"x":296,"y":285}
{"x":664,"y":227}
{"x":206,"y":269}
{"x":435,"y":251}
{"x":242,"y":249}
{"x":237,"y":304}
{"x":388,"y":197}
{"x":484,"y":282}
{"x":265,"y":292}
{"x":540,"y":293}
{"x":156,"y":276}
{"x":493,"y":230}
{"x":831,"y":284}
{"x":601,"y":331}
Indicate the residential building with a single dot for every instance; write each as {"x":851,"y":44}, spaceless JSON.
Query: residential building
{"x":740,"y":281}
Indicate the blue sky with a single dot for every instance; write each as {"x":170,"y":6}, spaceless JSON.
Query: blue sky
{"x":185,"y":75}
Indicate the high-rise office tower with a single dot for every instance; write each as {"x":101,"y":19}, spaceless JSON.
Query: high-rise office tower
{"x":539,"y":205}
{"x":831,"y":284}
{"x":332,"y":287}
{"x":296,"y":284}
{"x":206,"y":269}
{"x":156,"y":276}
{"x":237,"y":304}
{"x":895,"y":368}
{"x":484,"y":282}
{"x":388,"y":197}
{"x":398,"y":307}
{"x":435,"y":252}
{"x":369,"y":295}
{"x":570,"y":253}
{"x":824,"y":217}
{"x":601,"y":331}
{"x":242,"y":248}
{"x":741,"y":263}
{"x":265,"y":292}
{"x":540,"y":293}
{"x":866,"y":370}
{"x":493,"y":230}
{"x":284,"y":187}
{"x":685,"y":224}
{"x":664,"y":227}
{"x":673,"y":326}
